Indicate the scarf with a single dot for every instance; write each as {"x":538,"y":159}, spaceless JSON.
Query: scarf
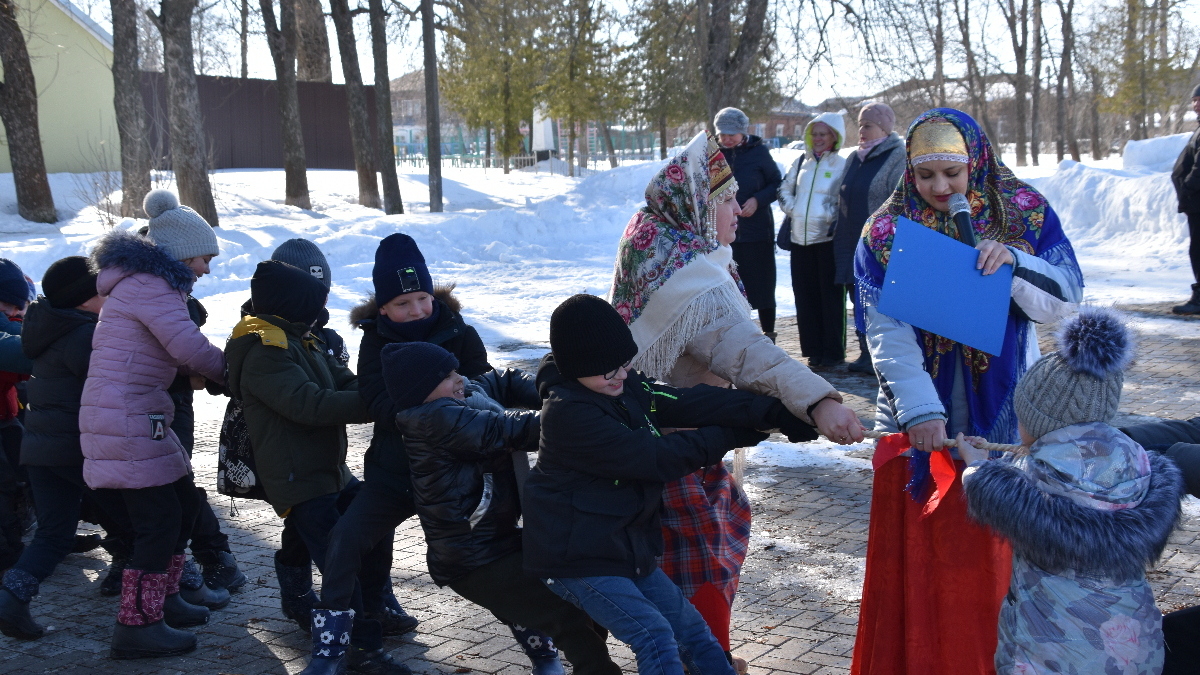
{"x":1003,"y":209}
{"x":671,"y":276}
{"x":414,"y":331}
{"x":865,"y":148}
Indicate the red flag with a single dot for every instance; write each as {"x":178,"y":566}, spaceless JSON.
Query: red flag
{"x":941,"y":466}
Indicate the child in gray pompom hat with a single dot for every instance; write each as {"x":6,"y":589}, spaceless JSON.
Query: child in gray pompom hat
{"x":1086,"y":510}
{"x":177,"y":229}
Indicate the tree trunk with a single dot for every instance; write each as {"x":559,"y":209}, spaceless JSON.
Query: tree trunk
{"x":360,"y":129}
{"x":19,"y":113}
{"x":487,"y":153}
{"x":608,"y":145}
{"x":976,"y":83}
{"x":392,"y":204}
{"x":1036,"y":95}
{"x":1064,"y":66}
{"x":244,"y":33}
{"x":725,"y":74}
{"x":662,"y":137}
{"x":571,"y":148}
{"x":1018,"y":33}
{"x":433,"y":107}
{"x":1073,"y":127}
{"x":313,"y":63}
{"x":130,"y":109}
{"x":585,"y":150}
{"x":1098,"y":152}
{"x":939,"y":55}
{"x":189,"y":151}
{"x":281,"y":39}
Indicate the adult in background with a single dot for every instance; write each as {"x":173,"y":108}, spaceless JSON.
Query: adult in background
{"x":758,"y":180}
{"x":872,"y":174}
{"x":1186,"y":177}
{"x":809,"y":197}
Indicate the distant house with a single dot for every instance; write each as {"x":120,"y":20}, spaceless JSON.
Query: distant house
{"x":72,"y":67}
{"x":785,"y":123}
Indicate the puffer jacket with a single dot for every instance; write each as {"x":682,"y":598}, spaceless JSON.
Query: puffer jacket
{"x":592,"y":504}
{"x":757,"y":176}
{"x":59,"y":341}
{"x":297,"y":401}
{"x":144,"y":338}
{"x":464,"y":485}
{"x":386,"y":463}
{"x":15,"y":367}
{"x":809,"y":193}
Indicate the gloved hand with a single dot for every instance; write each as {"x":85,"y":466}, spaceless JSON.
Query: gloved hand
{"x":745,"y":438}
{"x":795,"y":429}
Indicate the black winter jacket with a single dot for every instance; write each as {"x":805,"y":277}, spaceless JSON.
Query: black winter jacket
{"x":386,"y":463}
{"x":1186,"y":175}
{"x":1178,"y":440}
{"x":59,"y":341}
{"x":757,"y":176}
{"x":464,"y":485}
{"x":592,"y":504}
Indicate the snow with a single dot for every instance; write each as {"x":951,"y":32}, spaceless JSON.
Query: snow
{"x":517,"y":244}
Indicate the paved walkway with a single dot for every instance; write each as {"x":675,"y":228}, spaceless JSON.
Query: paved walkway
{"x":795,"y":613}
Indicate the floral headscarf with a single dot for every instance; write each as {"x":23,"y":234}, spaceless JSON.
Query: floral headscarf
{"x":674,"y":227}
{"x":1003,"y":209}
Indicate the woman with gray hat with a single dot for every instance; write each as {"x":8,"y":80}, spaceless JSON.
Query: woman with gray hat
{"x":758,"y":180}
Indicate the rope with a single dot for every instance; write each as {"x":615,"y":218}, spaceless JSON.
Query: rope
{"x":952,"y":443}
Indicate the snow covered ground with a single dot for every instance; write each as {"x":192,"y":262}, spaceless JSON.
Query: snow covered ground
{"x":518,"y":244}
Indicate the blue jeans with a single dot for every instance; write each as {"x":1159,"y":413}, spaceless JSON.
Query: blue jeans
{"x":650,"y":615}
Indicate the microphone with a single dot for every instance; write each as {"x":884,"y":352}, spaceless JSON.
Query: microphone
{"x":960,"y":210}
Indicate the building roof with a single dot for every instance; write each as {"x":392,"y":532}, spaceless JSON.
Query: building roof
{"x":80,"y":17}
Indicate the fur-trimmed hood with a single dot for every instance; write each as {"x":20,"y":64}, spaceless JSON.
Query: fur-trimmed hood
{"x":368,"y":310}
{"x":1058,"y":534}
{"x":120,"y":254}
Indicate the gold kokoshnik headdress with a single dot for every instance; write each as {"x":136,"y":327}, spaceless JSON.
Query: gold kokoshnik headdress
{"x":937,"y":140}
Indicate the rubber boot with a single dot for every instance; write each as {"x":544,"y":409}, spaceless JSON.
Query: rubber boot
{"x":178,"y":612}
{"x":296,"y":596}
{"x":366,"y":653}
{"x":220,"y":570}
{"x":141,"y":632}
{"x":391,"y":615}
{"x":540,"y":649}
{"x":1192,"y":306}
{"x":863,"y":363}
{"x":16,"y":592}
{"x":330,"y":639}
{"x":194,"y":591}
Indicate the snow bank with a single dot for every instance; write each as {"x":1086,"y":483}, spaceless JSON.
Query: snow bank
{"x":1155,"y":154}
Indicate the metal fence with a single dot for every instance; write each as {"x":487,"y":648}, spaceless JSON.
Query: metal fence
{"x":552,"y":164}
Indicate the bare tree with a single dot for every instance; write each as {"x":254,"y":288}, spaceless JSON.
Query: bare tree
{"x":189,"y":152}
{"x":976,"y":79}
{"x":433,"y":111}
{"x":356,"y":102}
{"x":383,"y":110}
{"x":1035,"y":97}
{"x":726,"y":68}
{"x":19,"y":113}
{"x":1066,"y":11}
{"x":1017,"y":18}
{"x":130,"y":109}
{"x":313,"y":63}
{"x":281,"y":38}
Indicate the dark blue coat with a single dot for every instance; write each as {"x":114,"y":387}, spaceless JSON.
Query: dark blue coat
{"x":758,"y":176}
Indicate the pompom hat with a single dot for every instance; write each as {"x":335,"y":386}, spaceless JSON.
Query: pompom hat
{"x":412,"y":370}
{"x":1081,"y":382}
{"x":176,"y":229}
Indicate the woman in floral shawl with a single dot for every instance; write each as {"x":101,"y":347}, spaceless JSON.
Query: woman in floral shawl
{"x":935,"y":580}
{"x":676,"y":287}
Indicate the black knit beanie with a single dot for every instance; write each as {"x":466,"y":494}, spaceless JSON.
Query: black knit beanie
{"x":588,"y":337}
{"x":412,"y":370}
{"x":13,"y":288}
{"x":399,"y":268}
{"x":69,"y":282}
{"x":288,"y":292}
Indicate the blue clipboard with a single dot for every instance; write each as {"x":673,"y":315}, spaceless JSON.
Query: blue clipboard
{"x":931,"y":283}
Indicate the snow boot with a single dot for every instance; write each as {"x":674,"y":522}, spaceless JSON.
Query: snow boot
{"x":540,"y":649}
{"x":178,"y":612}
{"x":391,"y":615}
{"x":1192,"y":306}
{"x":863,"y":363}
{"x":17,"y":589}
{"x":141,"y":632}
{"x":366,"y":653}
{"x":220,"y":570}
{"x":330,"y":639}
{"x":194,"y":591}
{"x":296,"y":596}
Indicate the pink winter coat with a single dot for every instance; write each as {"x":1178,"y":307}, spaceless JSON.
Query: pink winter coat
{"x":144,"y":338}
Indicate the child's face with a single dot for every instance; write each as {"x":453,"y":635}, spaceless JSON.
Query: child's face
{"x":609,"y":384}
{"x":199,"y":264}
{"x":408,"y":307}
{"x":451,"y":387}
{"x":1026,"y":439}
{"x":11,"y":311}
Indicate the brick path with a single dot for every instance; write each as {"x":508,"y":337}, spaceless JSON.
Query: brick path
{"x":795,"y":613}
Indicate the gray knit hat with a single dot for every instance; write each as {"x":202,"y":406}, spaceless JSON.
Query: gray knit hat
{"x":731,"y":121}
{"x":1196,"y":91}
{"x":1081,"y":382}
{"x":178,"y":230}
{"x":304,"y":254}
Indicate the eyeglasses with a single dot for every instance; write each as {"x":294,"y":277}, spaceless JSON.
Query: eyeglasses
{"x":624,"y":366}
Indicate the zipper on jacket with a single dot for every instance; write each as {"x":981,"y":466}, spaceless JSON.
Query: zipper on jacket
{"x":808,"y":204}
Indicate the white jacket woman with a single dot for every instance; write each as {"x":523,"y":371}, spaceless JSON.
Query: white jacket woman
{"x":809,"y":193}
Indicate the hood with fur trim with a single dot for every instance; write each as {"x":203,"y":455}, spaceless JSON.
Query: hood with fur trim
{"x":120,"y":254}
{"x":368,"y":310}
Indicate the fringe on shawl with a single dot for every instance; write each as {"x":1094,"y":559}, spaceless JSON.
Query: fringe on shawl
{"x":658,"y":359}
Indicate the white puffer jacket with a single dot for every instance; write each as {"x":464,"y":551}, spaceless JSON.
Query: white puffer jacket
{"x":809,"y":193}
